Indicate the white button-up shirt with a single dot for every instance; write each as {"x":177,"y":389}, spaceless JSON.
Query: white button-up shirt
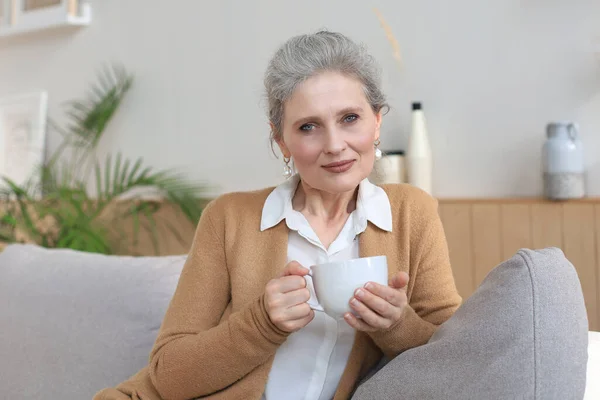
{"x":310,"y":363}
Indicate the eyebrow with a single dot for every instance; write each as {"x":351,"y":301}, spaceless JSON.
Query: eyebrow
{"x":341,"y":112}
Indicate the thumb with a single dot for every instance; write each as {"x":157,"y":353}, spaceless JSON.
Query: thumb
{"x":294,"y":268}
{"x":400,"y":280}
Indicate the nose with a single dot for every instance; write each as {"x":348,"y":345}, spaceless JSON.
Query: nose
{"x":335,"y":141}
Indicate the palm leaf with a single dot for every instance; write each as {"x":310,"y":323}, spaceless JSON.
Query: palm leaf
{"x":117,"y":171}
{"x":65,"y":241}
{"x":99,"y":192}
{"x":122,"y":179}
{"x":8,"y":223}
{"x":78,"y":228}
{"x":183,"y":193}
{"x":134,"y":170}
{"x":23,"y":202}
{"x":90,"y":116}
{"x":97,"y":242}
{"x":107,"y":169}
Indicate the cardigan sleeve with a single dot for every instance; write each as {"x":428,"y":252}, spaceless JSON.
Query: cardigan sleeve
{"x":432,"y":294}
{"x":195,"y":353}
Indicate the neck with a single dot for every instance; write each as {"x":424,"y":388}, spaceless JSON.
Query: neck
{"x":328,"y":206}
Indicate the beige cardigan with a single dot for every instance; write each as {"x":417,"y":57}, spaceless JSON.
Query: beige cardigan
{"x":217,"y":341}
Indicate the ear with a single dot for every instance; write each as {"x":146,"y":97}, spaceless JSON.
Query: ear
{"x":280,"y":143}
{"x":378,"y":119}
{"x":283,"y":148}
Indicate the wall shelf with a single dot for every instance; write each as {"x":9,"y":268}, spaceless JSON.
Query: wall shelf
{"x":48,"y":19}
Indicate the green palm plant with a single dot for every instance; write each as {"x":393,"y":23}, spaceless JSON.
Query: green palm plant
{"x":69,"y":214}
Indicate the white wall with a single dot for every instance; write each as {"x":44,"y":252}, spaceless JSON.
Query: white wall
{"x":491,"y":74}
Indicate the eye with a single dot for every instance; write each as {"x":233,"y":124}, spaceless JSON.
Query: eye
{"x":307,"y":127}
{"x":350,"y":118}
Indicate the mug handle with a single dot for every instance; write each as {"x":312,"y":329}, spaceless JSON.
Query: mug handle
{"x":313,"y":293}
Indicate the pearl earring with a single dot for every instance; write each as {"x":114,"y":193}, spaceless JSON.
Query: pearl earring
{"x":378,"y":153}
{"x":287,"y":170}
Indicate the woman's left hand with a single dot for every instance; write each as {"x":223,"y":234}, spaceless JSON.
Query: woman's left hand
{"x":379,"y":307}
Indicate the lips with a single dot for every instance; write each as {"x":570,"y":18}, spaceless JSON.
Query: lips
{"x":339,"y":166}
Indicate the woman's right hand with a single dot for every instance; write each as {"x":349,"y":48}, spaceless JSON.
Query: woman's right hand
{"x":286,"y":299}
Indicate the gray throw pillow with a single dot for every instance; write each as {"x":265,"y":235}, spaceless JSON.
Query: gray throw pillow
{"x":523,"y":334}
{"x":73,"y":323}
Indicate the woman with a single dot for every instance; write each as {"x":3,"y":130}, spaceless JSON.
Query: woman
{"x":239,"y":325}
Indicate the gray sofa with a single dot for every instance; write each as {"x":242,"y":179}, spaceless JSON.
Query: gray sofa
{"x":73,"y":323}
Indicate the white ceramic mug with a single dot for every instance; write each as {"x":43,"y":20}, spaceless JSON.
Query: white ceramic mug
{"x":335,"y":283}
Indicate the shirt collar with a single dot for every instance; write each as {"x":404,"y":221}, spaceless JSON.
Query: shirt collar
{"x":372,"y":205}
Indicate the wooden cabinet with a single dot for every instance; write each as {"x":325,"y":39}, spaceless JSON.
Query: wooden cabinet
{"x":483,"y":233}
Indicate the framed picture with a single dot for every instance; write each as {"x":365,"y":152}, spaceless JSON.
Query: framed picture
{"x":23,"y":16}
{"x":36,"y":12}
{"x":23,"y":137}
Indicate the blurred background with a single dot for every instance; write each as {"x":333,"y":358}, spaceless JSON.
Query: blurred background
{"x":116,"y":96}
{"x":102,"y":100}
{"x":490,"y":76}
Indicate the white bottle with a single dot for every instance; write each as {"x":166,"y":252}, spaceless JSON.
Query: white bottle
{"x":418,"y":155}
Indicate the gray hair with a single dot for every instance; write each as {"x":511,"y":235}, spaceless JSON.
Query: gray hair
{"x":304,"y":56}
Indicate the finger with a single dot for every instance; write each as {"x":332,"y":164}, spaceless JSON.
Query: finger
{"x":294,"y":268}
{"x":295,"y":297}
{"x":386,"y":307}
{"x":357,"y":323}
{"x":279,"y":302}
{"x":391,"y":295}
{"x":295,"y":319}
{"x":368,"y":316}
{"x":302,"y":322}
{"x":299,"y":311}
{"x":400,"y":280}
{"x":290,"y":283}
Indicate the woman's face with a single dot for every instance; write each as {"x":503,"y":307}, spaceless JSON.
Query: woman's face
{"x":329,"y":130}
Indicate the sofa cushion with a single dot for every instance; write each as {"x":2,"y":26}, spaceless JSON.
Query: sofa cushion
{"x":73,"y":323}
{"x":523,"y":334}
